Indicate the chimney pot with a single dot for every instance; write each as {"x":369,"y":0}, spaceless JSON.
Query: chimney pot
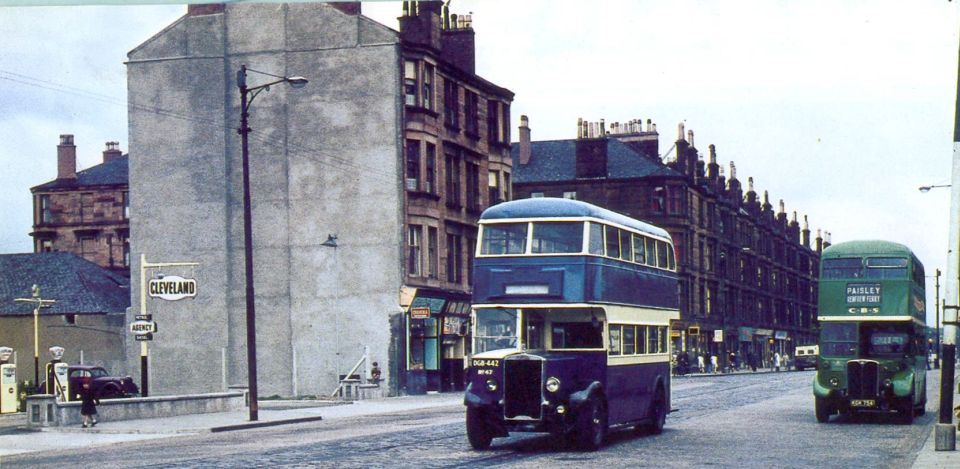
{"x":525,"y":148}
{"x":690,"y":137}
{"x":112,"y":152}
{"x":66,"y":158}
{"x":680,"y":131}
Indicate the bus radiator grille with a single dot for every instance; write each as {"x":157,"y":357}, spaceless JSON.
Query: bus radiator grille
{"x":521,"y":388}
{"x":863,"y":379}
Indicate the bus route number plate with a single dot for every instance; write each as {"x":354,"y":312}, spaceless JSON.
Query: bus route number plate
{"x":863,"y":403}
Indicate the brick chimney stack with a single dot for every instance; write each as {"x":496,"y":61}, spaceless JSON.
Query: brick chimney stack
{"x":525,"y":150}
{"x":66,"y":158}
{"x":112,"y":152}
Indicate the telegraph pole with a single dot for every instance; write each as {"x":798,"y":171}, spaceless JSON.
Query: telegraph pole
{"x":946,"y":433}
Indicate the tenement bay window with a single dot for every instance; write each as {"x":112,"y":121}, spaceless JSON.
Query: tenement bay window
{"x":453,"y":179}
{"x":454,"y":258}
{"x":428,"y":86}
{"x":433,"y":262}
{"x":414,"y":263}
{"x":430,"y":178}
{"x":410,"y":82}
{"x":46,"y":214}
{"x":413,"y":165}
{"x":493,"y":122}
{"x":473,"y":186}
{"x":493,"y":187}
{"x":451,"y":103}
{"x":471,"y":114}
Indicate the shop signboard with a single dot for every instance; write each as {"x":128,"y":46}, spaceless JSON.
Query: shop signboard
{"x":420,"y":313}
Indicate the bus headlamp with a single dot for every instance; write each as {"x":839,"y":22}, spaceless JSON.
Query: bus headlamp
{"x":553,"y":384}
{"x":887,"y":383}
{"x":561,"y":409}
{"x":834,"y":381}
{"x":491,"y":385}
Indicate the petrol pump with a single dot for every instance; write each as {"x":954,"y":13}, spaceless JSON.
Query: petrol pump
{"x":9,"y":400}
{"x":58,"y":383}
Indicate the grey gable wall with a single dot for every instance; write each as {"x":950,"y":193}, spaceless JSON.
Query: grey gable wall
{"x":324,"y":159}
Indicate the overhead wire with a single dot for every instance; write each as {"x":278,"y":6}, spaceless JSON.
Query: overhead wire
{"x":294,"y":148}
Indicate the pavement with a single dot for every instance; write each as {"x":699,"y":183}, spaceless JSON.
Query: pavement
{"x":14,"y":439}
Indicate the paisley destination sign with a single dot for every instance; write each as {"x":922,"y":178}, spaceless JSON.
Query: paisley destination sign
{"x":172,"y":288}
{"x":863,"y":293}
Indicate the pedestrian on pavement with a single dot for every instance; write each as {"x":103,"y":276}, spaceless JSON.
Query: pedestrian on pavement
{"x":88,"y":405}
{"x":700,"y":365}
{"x":753,"y":361}
{"x":713,"y":363}
{"x":776,"y":361}
{"x":733,"y":360}
{"x":375,"y":373}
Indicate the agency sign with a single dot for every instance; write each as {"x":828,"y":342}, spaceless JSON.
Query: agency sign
{"x":172,"y":288}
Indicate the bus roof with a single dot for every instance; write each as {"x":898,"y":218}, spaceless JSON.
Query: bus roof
{"x":550,"y":207}
{"x":870,"y":247}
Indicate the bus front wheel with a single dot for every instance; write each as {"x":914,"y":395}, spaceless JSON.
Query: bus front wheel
{"x":592,"y":425}
{"x":477,"y":431}
{"x":822,"y":409}
{"x":906,"y":410}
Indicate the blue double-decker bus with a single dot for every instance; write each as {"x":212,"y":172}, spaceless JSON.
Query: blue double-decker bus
{"x":572,"y":306}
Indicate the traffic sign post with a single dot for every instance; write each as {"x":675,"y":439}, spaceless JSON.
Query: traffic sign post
{"x":169,"y":288}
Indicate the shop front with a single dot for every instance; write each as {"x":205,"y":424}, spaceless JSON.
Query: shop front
{"x":437,"y":340}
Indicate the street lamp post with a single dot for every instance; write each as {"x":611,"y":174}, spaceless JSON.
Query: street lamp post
{"x":247,"y":96}
{"x":37,"y":304}
{"x":936,"y":324}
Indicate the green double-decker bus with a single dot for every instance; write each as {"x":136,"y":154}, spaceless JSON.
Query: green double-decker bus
{"x":872,"y":348}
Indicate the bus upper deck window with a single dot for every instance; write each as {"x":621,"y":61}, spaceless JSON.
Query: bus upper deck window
{"x":847,"y":267}
{"x":886,"y":267}
{"x":613,"y":241}
{"x":557,"y":237}
{"x":596,"y":239}
{"x":662,"y":255}
{"x":504,"y":238}
{"x":639,"y":253}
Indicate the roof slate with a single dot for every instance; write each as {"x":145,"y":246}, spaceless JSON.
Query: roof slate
{"x":78,"y":285}
{"x":556,"y":160}
{"x":115,"y":171}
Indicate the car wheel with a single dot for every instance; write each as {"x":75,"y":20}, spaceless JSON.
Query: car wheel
{"x":477,"y":432}
{"x":822,"y":409}
{"x":110,"y":392}
{"x":592,"y":425}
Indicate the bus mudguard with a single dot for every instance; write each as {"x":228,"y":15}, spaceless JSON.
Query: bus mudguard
{"x":472,"y":399}
{"x":578,"y":398}
{"x":820,"y":390}
{"x":903,"y":383}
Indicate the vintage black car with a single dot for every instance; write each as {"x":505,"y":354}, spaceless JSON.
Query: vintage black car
{"x":103,"y":385}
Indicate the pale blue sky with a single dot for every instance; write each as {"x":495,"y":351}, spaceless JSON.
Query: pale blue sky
{"x":842,"y":109}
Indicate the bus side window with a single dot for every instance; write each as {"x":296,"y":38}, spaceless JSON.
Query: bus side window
{"x":639,"y":255}
{"x":613,"y":242}
{"x":626,"y":247}
{"x":651,"y":339}
{"x":629,"y":340}
{"x":662,"y":255}
{"x":671,"y":261}
{"x":651,"y":252}
{"x":614,"y":339}
{"x":641,"y":340}
{"x":596,"y":239}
